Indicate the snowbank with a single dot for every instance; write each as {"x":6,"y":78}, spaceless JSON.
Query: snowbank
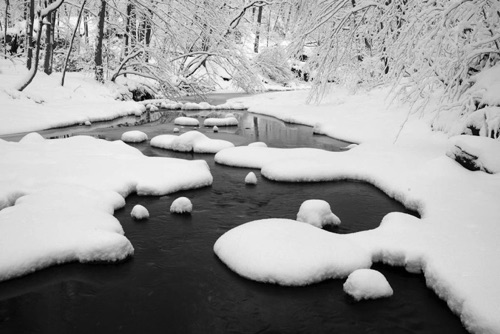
{"x":181,"y":205}
{"x":288,"y":252}
{"x":227,"y":121}
{"x":191,"y":141}
{"x":317,"y":213}
{"x":134,"y":136}
{"x":367,"y":284}
{"x":65,"y":192}
{"x":45,"y":104}
{"x":186,"y":121}
{"x":139,"y":212}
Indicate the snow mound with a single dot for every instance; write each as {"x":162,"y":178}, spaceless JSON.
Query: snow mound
{"x":367,"y":284}
{"x":476,"y":153}
{"x":215,"y":129}
{"x":176,"y":130}
{"x":33,"y":137}
{"x":258,"y":144}
{"x":181,"y":205}
{"x":186,"y":121}
{"x":288,"y":252}
{"x":227,"y":121}
{"x":317,"y":213}
{"x":139,"y":212}
{"x":251,"y":178}
{"x":191,"y":141}
{"x":134,"y":136}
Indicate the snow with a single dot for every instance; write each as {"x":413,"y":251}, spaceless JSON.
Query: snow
{"x":487,"y":85}
{"x":288,"y":252}
{"x":251,"y":178}
{"x":139,"y":212}
{"x":191,"y":141}
{"x":181,"y":205}
{"x":226,"y":121}
{"x":215,"y":129}
{"x":176,"y":130}
{"x":57,"y":198}
{"x":317,"y":213}
{"x":45,"y":104}
{"x":134,"y":136}
{"x":485,"y":151}
{"x":186,"y":121}
{"x":257,"y":144}
{"x":367,"y":284}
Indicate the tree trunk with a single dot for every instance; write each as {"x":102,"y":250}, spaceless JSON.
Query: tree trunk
{"x":127,"y":28}
{"x":5,"y":28}
{"x":49,"y":44}
{"x":257,"y":31}
{"x":41,"y":14}
{"x":29,"y":34}
{"x":99,"y":72}
{"x":77,"y":28}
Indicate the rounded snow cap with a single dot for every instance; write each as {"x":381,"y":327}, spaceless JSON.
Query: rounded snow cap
{"x":367,"y":284}
{"x":139,"y":212}
{"x":181,"y":205}
{"x":317,"y":213}
{"x":251,"y":178}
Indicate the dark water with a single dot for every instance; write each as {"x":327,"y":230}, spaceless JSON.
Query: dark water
{"x":175,"y":283}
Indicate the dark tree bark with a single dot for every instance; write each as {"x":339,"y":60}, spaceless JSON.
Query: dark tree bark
{"x":99,"y":71}
{"x":49,"y":43}
{"x":30,"y":43}
{"x":257,"y":31}
{"x":128,"y":26}
{"x":7,"y":3}
{"x":77,"y":28}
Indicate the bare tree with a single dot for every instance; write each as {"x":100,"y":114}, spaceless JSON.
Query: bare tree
{"x":99,"y":71}
{"x":77,"y":28}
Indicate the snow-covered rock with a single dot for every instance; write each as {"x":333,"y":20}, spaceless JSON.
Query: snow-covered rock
{"x":181,"y":205}
{"x":367,"y":284}
{"x":251,"y":178}
{"x":289,"y":252}
{"x":227,"y":121}
{"x":258,"y":144}
{"x":215,"y":129}
{"x":476,"y":153}
{"x":139,"y":212}
{"x":191,"y":141}
{"x":186,"y":121}
{"x":134,"y":136}
{"x":317,"y":213}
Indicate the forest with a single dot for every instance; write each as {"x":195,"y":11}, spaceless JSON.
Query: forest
{"x":427,"y":50}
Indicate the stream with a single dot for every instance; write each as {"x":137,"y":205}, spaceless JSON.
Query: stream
{"x":175,"y":283}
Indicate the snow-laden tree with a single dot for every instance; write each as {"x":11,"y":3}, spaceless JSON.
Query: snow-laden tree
{"x":425,"y":47}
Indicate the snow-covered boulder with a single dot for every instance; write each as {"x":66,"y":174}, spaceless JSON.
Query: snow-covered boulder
{"x":258,"y":144}
{"x":139,"y":212}
{"x":476,"y":153}
{"x":134,"y":136}
{"x":227,"y":121}
{"x":191,"y":141}
{"x":181,"y":205}
{"x":186,"y":121}
{"x":251,"y":178}
{"x":215,"y":129}
{"x":288,"y":252}
{"x":191,"y":106}
{"x":367,"y":284}
{"x":317,"y":213}
{"x":176,"y":130}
